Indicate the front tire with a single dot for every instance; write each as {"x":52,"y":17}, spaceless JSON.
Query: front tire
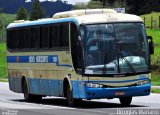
{"x":125,"y":101}
{"x":29,"y":97}
{"x":69,"y":96}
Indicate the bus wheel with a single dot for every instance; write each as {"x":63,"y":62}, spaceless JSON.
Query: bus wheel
{"x":30,"y":97}
{"x":125,"y":101}
{"x":69,"y":96}
{"x":27,"y":96}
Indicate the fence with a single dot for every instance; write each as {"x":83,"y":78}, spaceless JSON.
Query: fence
{"x":152,"y":22}
{"x":157,"y":45}
{"x":2,"y":39}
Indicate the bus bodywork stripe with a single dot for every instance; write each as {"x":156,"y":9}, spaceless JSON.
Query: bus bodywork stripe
{"x":27,"y":59}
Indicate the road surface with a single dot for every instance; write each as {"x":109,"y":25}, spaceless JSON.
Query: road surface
{"x":13,"y":104}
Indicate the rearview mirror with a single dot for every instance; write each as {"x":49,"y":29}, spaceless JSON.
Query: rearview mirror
{"x":151,"y":45}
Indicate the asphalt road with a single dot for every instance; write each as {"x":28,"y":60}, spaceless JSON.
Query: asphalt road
{"x":13,"y":104}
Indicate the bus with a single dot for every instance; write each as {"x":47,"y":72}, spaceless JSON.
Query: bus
{"x":80,"y":54}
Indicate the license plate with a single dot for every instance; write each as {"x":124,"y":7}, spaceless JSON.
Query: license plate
{"x":119,"y":93}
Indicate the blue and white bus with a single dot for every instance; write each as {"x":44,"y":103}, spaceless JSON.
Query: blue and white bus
{"x":81,"y":54}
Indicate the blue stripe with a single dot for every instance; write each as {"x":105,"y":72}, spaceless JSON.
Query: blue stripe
{"x":36,"y":59}
{"x":41,"y":22}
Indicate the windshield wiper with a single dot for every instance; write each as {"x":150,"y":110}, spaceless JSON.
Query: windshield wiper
{"x":125,"y":59}
{"x":129,"y":65}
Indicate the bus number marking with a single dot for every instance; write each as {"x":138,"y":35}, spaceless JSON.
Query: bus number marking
{"x":32,"y":59}
{"x":42,"y":59}
{"x":55,"y":59}
{"x":38,"y":59}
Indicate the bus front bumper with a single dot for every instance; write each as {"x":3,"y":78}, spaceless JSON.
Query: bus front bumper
{"x":97,"y":93}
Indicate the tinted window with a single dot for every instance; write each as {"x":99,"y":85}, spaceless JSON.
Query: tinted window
{"x":64,"y":35}
{"x":34,"y":37}
{"x":25,"y":38}
{"x":55,"y":36}
{"x":45,"y":36}
{"x":10,"y":37}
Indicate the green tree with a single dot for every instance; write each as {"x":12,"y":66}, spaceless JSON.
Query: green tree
{"x":95,"y":4}
{"x":80,"y":6}
{"x":104,"y":2}
{"x":22,"y":14}
{"x":119,"y":4}
{"x":91,"y":5}
{"x":37,"y":10}
{"x":1,"y":25}
{"x":1,"y":10}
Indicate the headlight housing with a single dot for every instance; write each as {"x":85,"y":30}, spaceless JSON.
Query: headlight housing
{"x":144,"y":82}
{"x":93,"y":85}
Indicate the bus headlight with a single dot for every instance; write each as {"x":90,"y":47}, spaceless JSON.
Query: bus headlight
{"x":144,"y":82}
{"x":93,"y":85}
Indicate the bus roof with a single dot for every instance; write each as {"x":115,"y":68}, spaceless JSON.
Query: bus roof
{"x":108,"y":18}
{"x":82,"y":17}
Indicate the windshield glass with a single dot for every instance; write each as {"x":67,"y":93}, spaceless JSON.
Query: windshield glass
{"x":115,"y":48}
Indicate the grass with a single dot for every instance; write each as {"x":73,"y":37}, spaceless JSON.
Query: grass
{"x":155,"y":59}
{"x":155,"y":33}
{"x":3,"y":80}
{"x":156,"y":39}
{"x":155,"y":90}
{"x":5,"y":20}
{"x":155,"y":21}
{"x":155,"y":78}
{"x":3,"y":72}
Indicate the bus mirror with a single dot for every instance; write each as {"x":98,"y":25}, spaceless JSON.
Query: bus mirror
{"x":151,"y":45}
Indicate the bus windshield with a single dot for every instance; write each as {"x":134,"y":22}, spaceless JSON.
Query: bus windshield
{"x":116,"y":48}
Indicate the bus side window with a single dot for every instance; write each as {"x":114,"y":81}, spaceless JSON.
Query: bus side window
{"x":75,"y":48}
{"x":53,"y":37}
{"x":17,"y":39}
{"x":34,"y":37}
{"x":51,"y":34}
{"x":13,"y":39}
{"x":54,"y":40}
{"x":59,"y":36}
{"x":25,"y":40}
{"x":64,"y":35}
{"x":10,"y":39}
{"x":45,"y":36}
